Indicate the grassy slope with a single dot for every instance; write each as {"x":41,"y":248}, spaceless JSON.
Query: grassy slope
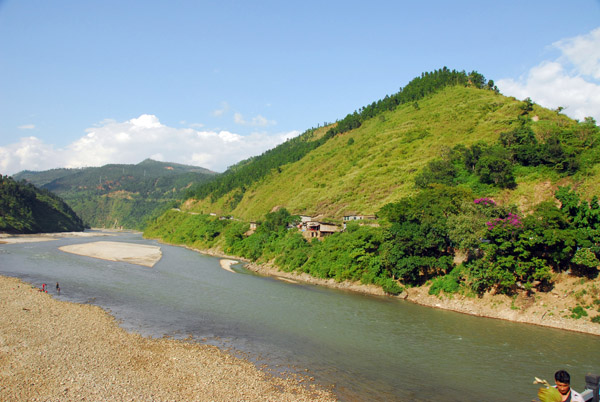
{"x":389,"y":150}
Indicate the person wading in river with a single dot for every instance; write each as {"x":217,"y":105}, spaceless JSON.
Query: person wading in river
{"x":563,"y":384}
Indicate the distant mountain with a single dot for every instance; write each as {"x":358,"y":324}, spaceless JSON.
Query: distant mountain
{"x":26,"y":209}
{"x":119,"y":195}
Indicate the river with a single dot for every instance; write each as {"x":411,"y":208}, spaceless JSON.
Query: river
{"x":370,"y":348}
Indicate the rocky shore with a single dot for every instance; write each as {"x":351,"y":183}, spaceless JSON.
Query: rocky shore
{"x":52,"y":350}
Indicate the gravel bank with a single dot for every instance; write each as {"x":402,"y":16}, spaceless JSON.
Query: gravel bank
{"x":52,"y":350}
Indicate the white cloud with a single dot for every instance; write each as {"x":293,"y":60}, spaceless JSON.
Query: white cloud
{"x":569,"y":81}
{"x":583,"y":52}
{"x":549,"y":85}
{"x":146,"y":121}
{"x":220,"y":112}
{"x":134,"y":140}
{"x":258,"y":121}
{"x":26,"y":127}
{"x":29,"y":153}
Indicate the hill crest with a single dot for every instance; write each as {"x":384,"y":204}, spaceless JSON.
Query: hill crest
{"x":362,"y":169}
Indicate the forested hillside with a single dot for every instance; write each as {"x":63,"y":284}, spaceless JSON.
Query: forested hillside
{"x":474,"y":192}
{"x":120,"y":195}
{"x":26,"y":209}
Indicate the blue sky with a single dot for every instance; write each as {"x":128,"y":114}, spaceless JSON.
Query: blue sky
{"x":85,"y":83}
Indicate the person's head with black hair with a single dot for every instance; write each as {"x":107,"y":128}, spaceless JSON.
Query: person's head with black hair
{"x":562,"y":376}
{"x":563,"y":385}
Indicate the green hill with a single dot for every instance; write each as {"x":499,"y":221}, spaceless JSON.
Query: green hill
{"x":361,"y":170}
{"x":26,"y":209}
{"x":119,"y":195}
{"x":474,"y":191}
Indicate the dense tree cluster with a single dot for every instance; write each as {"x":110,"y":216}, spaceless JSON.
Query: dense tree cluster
{"x":566,"y":150}
{"x":27,"y":209}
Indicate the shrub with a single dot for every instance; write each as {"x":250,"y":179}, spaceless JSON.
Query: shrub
{"x":448,"y":283}
{"x":389,"y":285}
{"x":578,"y":312}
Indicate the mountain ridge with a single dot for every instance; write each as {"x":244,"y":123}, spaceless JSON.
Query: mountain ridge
{"x":119,"y":195}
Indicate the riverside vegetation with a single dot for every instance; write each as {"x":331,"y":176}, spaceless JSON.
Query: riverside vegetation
{"x":475,"y":192}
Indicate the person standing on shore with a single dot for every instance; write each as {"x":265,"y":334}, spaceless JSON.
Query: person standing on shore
{"x":57,"y":288}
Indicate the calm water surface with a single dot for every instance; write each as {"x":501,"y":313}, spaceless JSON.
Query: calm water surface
{"x":371,"y":348}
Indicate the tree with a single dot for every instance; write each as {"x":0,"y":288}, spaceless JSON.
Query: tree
{"x":276,"y":221}
{"x":418,"y":245}
{"x":478,"y":80}
{"x":494,"y":167}
{"x":438,"y":171}
{"x":526,"y":106}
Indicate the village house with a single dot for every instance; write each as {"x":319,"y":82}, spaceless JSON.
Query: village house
{"x":318,"y":230}
{"x":304,"y":219}
{"x":253,"y":226}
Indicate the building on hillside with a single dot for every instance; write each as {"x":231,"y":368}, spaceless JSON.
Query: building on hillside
{"x":304,"y":219}
{"x":253,"y":226}
{"x":350,"y":218}
{"x":319,"y":230}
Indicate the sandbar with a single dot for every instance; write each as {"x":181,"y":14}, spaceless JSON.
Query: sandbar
{"x":226,"y":264}
{"x":139,"y":254}
{"x":52,"y":350}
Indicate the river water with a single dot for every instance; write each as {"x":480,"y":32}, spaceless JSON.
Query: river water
{"x":369,"y":348}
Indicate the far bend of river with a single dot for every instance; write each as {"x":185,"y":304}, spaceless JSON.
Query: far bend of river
{"x":371,"y":348}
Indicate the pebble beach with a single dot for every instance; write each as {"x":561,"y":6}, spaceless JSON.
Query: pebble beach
{"x":52,"y":350}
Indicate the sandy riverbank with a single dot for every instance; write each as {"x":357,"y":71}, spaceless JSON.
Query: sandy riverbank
{"x":52,"y":350}
{"x":133,"y":253}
